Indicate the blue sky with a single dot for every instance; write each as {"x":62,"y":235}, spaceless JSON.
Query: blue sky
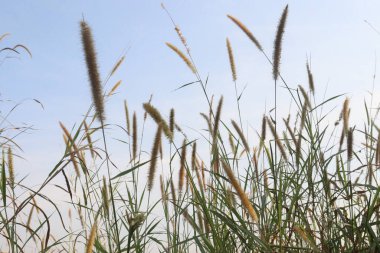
{"x":341,"y":45}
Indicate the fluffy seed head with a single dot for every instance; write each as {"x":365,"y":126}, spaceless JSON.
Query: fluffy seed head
{"x":182,"y":169}
{"x":310,"y":78}
{"x":105,"y":197}
{"x":182,"y":56}
{"x":305,"y":96}
{"x":217,"y":119}
{"x":345,"y":114}
{"x":156,"y":116}
{"x":153,"y":159}
{"x":246,"y":31}
{"x":242,"y":195}
{"x":171,"y":120}
{"x":92,"y":68}
{"x":278,"y":43}
{"x":127,"y":117}
{"x":350,"y":139}
{"x":91,"y":238}
{"x":241,"y":135}
{"x":232,"y":61}
{"x":11,"y":168}
{"x":134,"y":136}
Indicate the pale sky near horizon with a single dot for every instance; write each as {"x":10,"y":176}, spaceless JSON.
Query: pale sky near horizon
{"x":342,"y":47}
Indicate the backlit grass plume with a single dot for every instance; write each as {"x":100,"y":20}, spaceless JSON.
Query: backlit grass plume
{"x":91,"y":238}
{"x":246,"y":31}
{"x":172,"y":120}
{"x":232,"y":60}
{"x":242,"y":195}
{"x":217,"y":119}
{"x":182,"y":56}
{"x":134,"y":136}
{"x":310,"y":78}
{"x":241,"y":135}
{"x":154,"y":156}
{"x":182,"y":169}
{"x":92,"y":68}
{"x":11,"y":168}
{"x":156,"y":116}
{"x":278,"y":43}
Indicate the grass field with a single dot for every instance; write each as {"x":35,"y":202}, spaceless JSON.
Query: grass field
{"x":308,"y":183}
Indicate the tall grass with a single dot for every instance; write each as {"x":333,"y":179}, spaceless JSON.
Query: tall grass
{"x":306,"y":186}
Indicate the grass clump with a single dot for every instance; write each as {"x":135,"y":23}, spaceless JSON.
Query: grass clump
{"x":320,"y":194}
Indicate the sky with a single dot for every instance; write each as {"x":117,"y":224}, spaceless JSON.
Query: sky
{"x":333,"y":34}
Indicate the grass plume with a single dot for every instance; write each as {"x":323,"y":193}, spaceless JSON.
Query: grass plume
{"x":232,"y":60}
{"x":242,"y":195}
{"x":92,"y":68}
{"x":278,"y":43}
{"x":246,"y":31}
{"x":154,"y":156}
{"x":182,"y":56}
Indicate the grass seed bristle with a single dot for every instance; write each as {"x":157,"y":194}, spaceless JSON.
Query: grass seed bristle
{"x":11,"y":171}
{"x":278,"y":43}
{"x":246,"y":31}
{"x":154,"y":156}
{"x":310,"y":78}
{"x":91,"y":238}
{"x":242,"y":195}
{"x":134,"y":136}
{"x":241,"y":135}
{"x":232,"y":61}
{"x":182,"y":170}
{"x":156,"y":116}
{"x":182,"y":56}
{"x":92,"y":67}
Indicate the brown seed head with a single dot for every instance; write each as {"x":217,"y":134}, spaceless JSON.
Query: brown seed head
{"x":92,"y":67}
{"x":278,"y":43}
{"x":310,"y":78}
{"x":154,"y":156}
{"x":246,"y":31}
{"x":182,"y":56}
{"x":182,"y":169}
{"x":232,"y":61}
{"x":242,"y":195}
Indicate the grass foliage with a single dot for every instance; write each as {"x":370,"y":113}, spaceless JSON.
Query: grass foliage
{"x":306,"y":185}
